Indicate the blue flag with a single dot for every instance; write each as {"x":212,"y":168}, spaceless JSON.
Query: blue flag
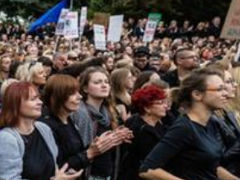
{"x":50,"y":16}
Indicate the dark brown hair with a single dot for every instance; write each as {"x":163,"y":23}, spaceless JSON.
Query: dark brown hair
{"x":196,"y":80}
{"x":57,"y":90}
{"x":108,"y":102}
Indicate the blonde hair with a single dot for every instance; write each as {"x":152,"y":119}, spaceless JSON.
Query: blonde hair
{"x":5,"y":84}
{"x":118,"y":80}
{"x":26,"y":71}
{"x":234,"y":104}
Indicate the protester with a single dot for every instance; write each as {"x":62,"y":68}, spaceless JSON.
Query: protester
{"x":62,"y":98}
{"x":186,"y":60}
{"x":32,"y":72}
{"x":97,"y":116}
{"x":151,"y":105}
{"x":122,"y":85}
{"x":96,"y":122}
{"x":191,"y":141}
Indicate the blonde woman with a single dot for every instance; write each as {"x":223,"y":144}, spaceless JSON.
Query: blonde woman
{"x":32,"y":72}
{"x":122,"y":84}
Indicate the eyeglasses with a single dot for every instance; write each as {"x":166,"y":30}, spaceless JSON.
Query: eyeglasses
{"x":161,"y":102}
{"x":218,"y":89}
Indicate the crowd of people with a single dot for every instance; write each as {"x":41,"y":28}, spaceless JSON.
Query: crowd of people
{"x":164,"y":110}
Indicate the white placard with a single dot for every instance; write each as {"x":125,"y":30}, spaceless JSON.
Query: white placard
{"x":83,"y":19}
{"x":149,"y":31}
{"x":61,"y":22}
{"x":99,"y":37}
{"x":71,"y":25}
{"x":231,"y":27}
{"x":115,"y":28}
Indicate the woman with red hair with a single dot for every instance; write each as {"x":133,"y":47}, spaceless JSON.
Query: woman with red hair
{"x":151,"y":105}
{"x":28,"y":149}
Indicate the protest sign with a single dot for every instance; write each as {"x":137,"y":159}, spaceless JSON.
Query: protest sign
{"x":71,"y":25}
{"x":231,"y":28}
{"x":83,"y":19}
{"x":115,"y":28}
{"x":61,"y":22}
{"x":151,"y":26}
{"x":99,"y":37}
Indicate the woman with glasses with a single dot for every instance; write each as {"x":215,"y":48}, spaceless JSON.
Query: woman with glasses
{"x":229,"y":127}
{"x":190,"y":148}
{"x":151,"y":105}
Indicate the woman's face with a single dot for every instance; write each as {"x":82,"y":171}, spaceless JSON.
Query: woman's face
{"x":40,"y":77}
{"x":129,"y":81}
{"x":215,"y":95}
{"x":72,"y":103}
{"x":110,"y":64}
{"x":5,"y":65}
{"x":31,"y":108}
{"x":48,"y":70}
{"x":98,"y":86}
{"x":230,"y":84}
{"x":158,"y":108}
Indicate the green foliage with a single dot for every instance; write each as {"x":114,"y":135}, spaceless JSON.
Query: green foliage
{"x":195,"y":10}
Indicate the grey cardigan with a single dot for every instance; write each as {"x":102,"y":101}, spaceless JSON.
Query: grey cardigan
{"x":12,"y":150}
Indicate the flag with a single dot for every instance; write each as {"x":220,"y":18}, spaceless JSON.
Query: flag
{"x":50,"y":16}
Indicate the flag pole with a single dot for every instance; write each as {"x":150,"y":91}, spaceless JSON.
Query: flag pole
{"x":71,"y":4}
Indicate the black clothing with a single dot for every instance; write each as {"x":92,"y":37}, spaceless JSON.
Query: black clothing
{"x":120,"y":102}
{"x":214,"y":30}
{"x":139,"y":32}
{"x":145,"y":138}
{"x":172,"y":78}
{"x":100,"y":121}
{"x":103,"y":165}
{"x":40,"y":166}
{"x":69,"y":142}
{"x":230,"y":139}
{"x":188,"y":150}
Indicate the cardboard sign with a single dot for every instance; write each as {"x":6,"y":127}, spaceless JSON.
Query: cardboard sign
{"x":99,"y":37}
{"x":71,"y":25}
{"x":151,"y":26}
{"x":83,"y":19}
{"x":231,"y":28}
{"x":115,"y":28}
{"x":61,"y":22}
{"x":101,"y":19}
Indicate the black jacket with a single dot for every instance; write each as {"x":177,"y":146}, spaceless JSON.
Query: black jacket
{"x":145,"y":138}
{"x":229,"y":136}
{"x":69,"y":142}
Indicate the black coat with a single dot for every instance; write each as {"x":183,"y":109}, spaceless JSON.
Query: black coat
{"x":145,"y":138}
{"x":229,"y":136}
{"x":69,"y":142}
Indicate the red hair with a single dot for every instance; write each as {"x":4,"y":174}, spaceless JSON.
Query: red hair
{"x":144,"y":97}
{"x":12,"y":100}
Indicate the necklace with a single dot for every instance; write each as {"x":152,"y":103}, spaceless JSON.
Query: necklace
{"x":29,"y":131}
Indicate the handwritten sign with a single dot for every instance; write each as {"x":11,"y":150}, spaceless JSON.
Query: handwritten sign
{"x":231,"y":28}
